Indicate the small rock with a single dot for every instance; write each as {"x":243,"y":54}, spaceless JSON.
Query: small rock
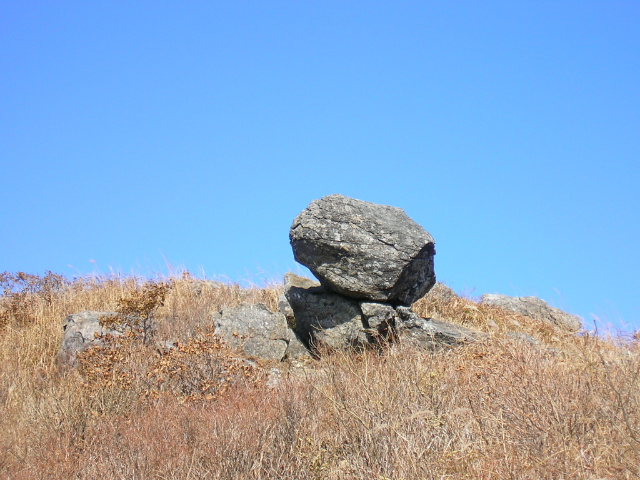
{"x":285,"y":309}
{"x":440,"y":293}
{"x":431,"y":332}
{"x":296,"y":350}
{"x":378,"y":316}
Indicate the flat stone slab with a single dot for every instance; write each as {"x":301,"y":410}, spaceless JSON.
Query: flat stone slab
{"x":431,"y":332}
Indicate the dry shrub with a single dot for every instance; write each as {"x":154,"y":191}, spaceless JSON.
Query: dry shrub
{"x":21,"y":293}
{"x":190,"y":302}
{"x":482,"y":411}
{"x":202,"y":368}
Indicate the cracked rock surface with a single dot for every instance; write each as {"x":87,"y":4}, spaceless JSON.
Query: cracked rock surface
{"x":258,"y":332}
{"x":364,"y":250}
{"x":431,"y":332}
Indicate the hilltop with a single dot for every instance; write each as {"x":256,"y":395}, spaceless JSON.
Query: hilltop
{"x":527,"y":400}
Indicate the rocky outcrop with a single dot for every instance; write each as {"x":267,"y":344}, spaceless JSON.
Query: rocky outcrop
{"x":440,"y":293}
{"x":293,"y":280}
{"x":81,"y":331}
{"x":535,"y":308}
{"x":363,"y":250}
{"x":329,"y":320}
{"x":372,"y":261}
{"x":258,"y":332}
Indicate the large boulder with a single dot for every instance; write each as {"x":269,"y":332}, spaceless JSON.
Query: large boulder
{"x":81,"y":331}
{"x":363,"y":250}
{"x":258,"y":332}
{"x":535,"y":308}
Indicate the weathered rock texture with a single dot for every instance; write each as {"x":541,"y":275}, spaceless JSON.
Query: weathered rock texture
{"x":363,"y":250}
{"x":293,"y":280}
{"x":258,"y":332}
{"x":378,"y":316}
{"x":535,"y":308}
{"x":324,"y":318}
{"x":82,"y":330}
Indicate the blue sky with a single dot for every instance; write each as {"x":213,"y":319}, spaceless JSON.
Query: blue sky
{"x":139,"y":134}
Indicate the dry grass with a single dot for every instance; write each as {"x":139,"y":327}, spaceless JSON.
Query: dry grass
{"x":566,"y":407}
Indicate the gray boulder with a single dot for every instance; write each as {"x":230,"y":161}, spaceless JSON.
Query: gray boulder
{"x":81,"y":331}
{"x":363,"y":250}
{"x":324,"y":318}
{"x":535,"y":308}
{"x":258,"y":332}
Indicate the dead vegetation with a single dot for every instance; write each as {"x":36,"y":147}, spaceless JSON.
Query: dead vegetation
{"x":184,"y":406}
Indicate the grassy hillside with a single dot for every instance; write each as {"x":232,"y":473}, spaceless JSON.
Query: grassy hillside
{"x":566,"y":406}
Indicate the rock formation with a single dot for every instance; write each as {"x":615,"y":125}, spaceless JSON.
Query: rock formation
{"x":372,"y":261}
{"x":322,"y":317}
{"x":330,"y":320}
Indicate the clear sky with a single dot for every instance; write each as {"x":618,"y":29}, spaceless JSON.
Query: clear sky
{"x":140,"y":134}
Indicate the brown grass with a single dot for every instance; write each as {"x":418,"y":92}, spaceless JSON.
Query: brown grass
{"x":565,"y":407}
